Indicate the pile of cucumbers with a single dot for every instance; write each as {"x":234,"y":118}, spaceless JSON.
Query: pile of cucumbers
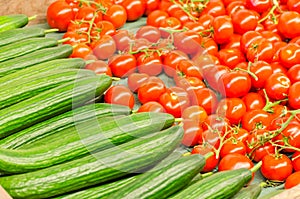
{"x":58,"y":140}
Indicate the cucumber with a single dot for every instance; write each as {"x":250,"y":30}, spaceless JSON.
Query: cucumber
{"x":9,"y":22}
{"x":161,"y":183}
{"x":104,"y":190}
{"x":271,"y":194}
{"x":19,"y":34}
{"x":97,"y":168}
{"x":26,"y":46}
{"x":51,"y":103}
{"x":38,"y":69}
{"x":12,"y":94}
{"x":223,"y":184}
{"x":39,"y":56}
{"x":61,"y":122}
{"x":87,"y":137}
{"x":249,"y":192}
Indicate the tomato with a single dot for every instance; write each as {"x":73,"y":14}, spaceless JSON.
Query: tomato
{"x":78,"y":26}
{"x":205,"y":21}
{"x":223,"y":29}
{"x":206,"y":98}
{"x":210,"y":162}
{"x":151,"y":90}
{"x":134,"y":9}
{"x":260,"y":49}
{"x":105,"y":47}
{"x":296,"y":161}
{"x":232,"y":146}
{"x":151,"y":107}
{"x":234,"y":84}
{"x":234,"y":42}
{"x":169,"y":23}
{"x":180,"y":15}
{"x":248,"y":38}
{"x":149,"y":63}
{"x":294,"y":73}
{"x":190,"y":84}
{"x":216,"y":123}
{"x":292,"y":180}
{"x":238,"y":134}
{"x":156,"y":17}
{"x":192,"y":132}
{"x":256,"y":119}
{"x":244,"y":20}
{"x":291,"y":136}
{"x":174,"y":100}
{"x":214,"y":8}
{"x":277,"y":86}
{"x":289,"y":55}
{"x":210,"y":46}
{"x":289,"y":24}
{"x":235,"y":6}
{"x":231,"y":108}
{"x":294,"y":96}
{"x":189,"y":41}
{"x":88,"y":13}
{"x":59,"y":15}
{"x":75,"y":38}
{"x":262,"y":70}
{"x":195,"y":113}
{"x":135,"y":80}
{"x":150,"y":33}
{"x":117,"y":15}
{"x":293,"y":5}
{"x":100,"y":67}
{"x":231,"y":57}
{"x":254,"y":101}
{"x":278,"y":68}
{"x":151,"y":5}
{"x":122,"y":65}
{"x":259,"y":6}
{"x":101,"y":28}
{"x":210,"y":137}
{"x":259,"y":153}
{"x":212,"y":75}
{"x":81,"y":51}
{"x":122,"y":39}
{"x":119,"y":94}
{"x":271,"y":36}
{"x":188,"y":68}
{"x":171,"y":60}
{"x":276,"y":167}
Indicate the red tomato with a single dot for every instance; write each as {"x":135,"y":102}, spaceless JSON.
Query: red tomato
{"x":195,"y":113}
{"x":278,"y":68}
{"x":75,"y":38}
{"x":213,"y":74}
{"x":122,"y":65}
{"x":216,"y":123}
{"x":293,"y":5}
{"x":260,"y":152}
{"x":210,"y":46}
{"x":135,"y":80}
{"x":101,"y":28}
{"x":59,"y":15}
{"x":122,"y":39}
{"x":134,"y":9}
{"x":289,"y":24}
{"x":234,"y":6}
{"x":276,"y":167}
{"x":105,"y":47}
{"x":260,"y":49}
{"x":100,"y":67}
{"x":78,"y":26}
{"x":296,"y":161}
{"x":259,"y":6}
{"x":291,"y":136}
{"x":294,"y":96}
{"x":188,"y":68}
{"x":151,"y":107}
{"x":244,"y":20}
{"x":171,"y":60}
{"x":149,"y":63}
{"x":119,"y":94}
{"x":151,"y":5}
{"x":174,"y":100}
{"x":231,"y":57}
{"x":214,"y":8}
{"x":88,"y":13}
{"x":262,"y":70}
{"x":117,"y":15}
{"x":189,"y":41}
{"x":233,"y":43}
{"x":190,"y":84}
{"x":206,"y":98}
{"x":223,"y":29}
{"x":232,"y":146}
{"x":151,"y":90}
{"x":239,"y":134}
{"x":150,"y":33}
{"x":277,"y":86}
{"x":211,"y":162}
{"x":289,"y":55}
{"x":292,"y":180}
{"x":81,"y":51}
{"x":169,"y":23}
{"x":254,"y":101}
{"x":231,"y":108}
{"x":256,"y":119}
{"x":192,"y":132}
{"x":156,"y":17}
{"x":210,"y":137}
{"x":248,"y":38}
{"x":294,"y":73}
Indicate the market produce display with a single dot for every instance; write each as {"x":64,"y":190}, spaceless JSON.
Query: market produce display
{"x":151,"y":99}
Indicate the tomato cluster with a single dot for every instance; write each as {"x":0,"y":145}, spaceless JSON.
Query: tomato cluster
{"x":233,"y":75}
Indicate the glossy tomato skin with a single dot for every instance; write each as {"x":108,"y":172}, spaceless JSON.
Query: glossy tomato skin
{"x":223,"y":29}
{"x":289,"y":55}
{"x":151,"y":107}
{"x":254,"y":101}
{"x":150,"y":33}
{"x":122,"y":39}
{"x":206,"y":98}
{"x":231,"y":57}
{"x":233,"y":146}
{"x":259,"y":5}
{"x":261,"y":49}
{"x":291,"y":135}
{"x":117,"y":15}
{"x":151,"y":90}
{"x":119,"y":94}
{"x":195,"y":113}
{"x":134,"y":8}
{"x":105,"y":47}
{"x":296,"y":161}
{"x":81,"y":50}
{"x":256,"y":118}
{"x":149,"y":63}
{"x":276,"y":168}
{"x":277,"y":86}
{"x":248,"y":38}
{"x":192,"y":132}
{"x":289,"y":24}
{"x":216,"y":123}
{"x":293,"y":180}
{"x":100,"y":67}
{"x":171,"y":60}
{"x":239,"y":134}
{"x":294,"y":96}
{"x":189,"y":41}
{"x":135,"y":80}
{"x":262,"y":71}
{"x":156,"y":17}
{"x":75,"y":38}
{"x":294,"y":73}
{"x":211,"y":162}
{"x":258,"y":154}
{"x":244,"y":20}
{"x":122,"y":65}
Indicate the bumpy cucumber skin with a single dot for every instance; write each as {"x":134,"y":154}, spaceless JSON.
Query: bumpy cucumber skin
{"x":14,"y":35}
{"x":161,"y":183}
{"x":224,"y":184}
{"x":9,"y":22}
{"x":39,"y":69}
{"x":26,"y":46}
{"x":93,"y":138}
{"x":249,"y":192}
{"x":60,"y":123}
{"x":36,"y":57}
{"x":98,"y":168}
{"x":51,"y":103}
{"x":12,"y":94}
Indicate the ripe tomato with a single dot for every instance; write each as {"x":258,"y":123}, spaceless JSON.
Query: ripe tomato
{"x":254,"y":101}
{"x":171,"y":60}
{"x":188,"y":68}
{"x":262,"y":70}
{"x":189,"y":41}
{"x":244,"y":20}
{"x":135,"y":80}
{"x":78,"y":26}
{"x":150,"y":33}
{"x":174,"y":100}
{"x":239,"y":134}
{"x":259,"y":6}
{"x":205,"y":98}
{"x":117,"y":15}
{"x":81,"y":50}
{"x":122,"y":65}
{"x":192,"y":132}
{"x":171,"y":23}
{"x":214,"y":8}
{"x":156,"y":17}
{"x":134,"y":9}
{"x":195,"y":113}
{"x":234,"y":6}
{"x":292,"y":180}
{"x":212,"y":75}
{"x":104,"y":48}
{"x":235,"y":42}
{"x":149,"y":63}
{"x":294,"y":73}
{"x":223,"y":29}
{"x":88,"y":13}
{"x":100,"y":67}
{"x":296,"y":161}
{"x":216,"y":123}
{"x":256,"y":119}
{"x":190,"y":84}
{"x":210,"y":137}
{"x":276,"y":167}
{"x":231,"y":108}
{"x":291,"y":135}
{"x":277,"y":86}
{"x":289,"y":55}
{"x":59,"y":15}
{"x":231,"y":57}
{"x":289,"y":24}
{"x":122,"y":39}
{"x":260,"y":49}
{"x":293,"y":5}
{"x":210,"y":46}
{"x":119,"y":94}
{"x":232,"y":146}
{"x":248,"y":38}
{"x":101,"y":28}
{"x":151,"y":5}
{"x":259,"y":153}
{"x":151,"y":90}
{"x":212,"y":161}
{"x":294,"y":96}
{"x":75,"y":38}
{"x":278,"y":68}
{"x":151,"y":107}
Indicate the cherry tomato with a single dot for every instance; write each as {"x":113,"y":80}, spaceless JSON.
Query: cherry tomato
{"x":150,"y":33}
{"x":296,"y":161}
{"x":119,"y":94}
{"x":135,"y":80}
{"x":75,"y":38}
{"x":234,"y":6}
{"x":171,"y":60}
{"x":262,"y":70}
{"x":122,"y":65}
{"x":59,"y":15}
{"x":189,"y":41}
{"x":239,"y":134}
{"x":195,"y":113}
{"x":100,"y":67}
{"x":231,"y":57}
{"x":210,"y":46}
{"x":88,"y":13}
{"x":276,"y":167}
{"x":210,"y":137}
{"x":214,"y":8}
{"x":278,"y":68}
{"x":223,"y":29}
{"x":149,"y":63}
{"x":233,"y":43}
{"x":254,"y":101}
{"x":294,"y":96}
{"x":151,"y":90}
{"x":122,"y":39}
{"x":174,"y":100}
{"x":248,"y":38}
{"x":101,"y":28}
{"x":277,"y":86}
{"x":211,"y":162}
{"x":292,"y":180}
{"x":291,"y":136}
{"x":256,"y":119}
{"x":188,"y":68}
{"x":212,"y":75}
{"x":105,"y":47}
{"x":134,"y":9}
{"x":151,"y":107}
{"x":294,"y":73}
{"x":232,"y":146}
{"x":260,"y":49}
{"x":259,"y":6}
{"x":171,"y":23}
{"x":216,"y":123}
{"x":81,"y":51}
{"x":206,"y":98}
{"x":192,"y":132}
{"x":259,"y":153}
{"x":156,"y":17}
{"x":151,"y":5}
{"x":117,"y":15}
{"x":293,"y":5}
{"x":78,"y":26}
{"x":289,"y":24}
{"x":190,"y":84}
{"x":244,"y":20}
{"x":289,"y":55}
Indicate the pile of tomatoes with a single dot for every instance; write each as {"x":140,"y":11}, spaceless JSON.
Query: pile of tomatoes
{"x":228,"y":70}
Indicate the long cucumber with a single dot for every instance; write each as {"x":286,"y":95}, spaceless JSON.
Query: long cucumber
{"x":51,"y":103}
{"x":97,"y":168}
{"x":250,"y":192}
{"x":9,"y":22}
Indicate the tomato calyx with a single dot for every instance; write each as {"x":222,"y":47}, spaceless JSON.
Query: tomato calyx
{"x":271,"y":13}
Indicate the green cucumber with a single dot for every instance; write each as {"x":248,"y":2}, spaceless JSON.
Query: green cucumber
{"x":51,"y":103}
{"x":9,"y":22}
{"x":88,"y":136}
{"x":19,"y":34}
{"x":223,"y":184}
{"x":97,"y":168}
{"x":249,"y":192}
{"x":30,"y":87}
{"x":36,"y":70}
{"x":26,"y":46}
{"x":61,"y":122}
{"x":36,"y":57}
{"x":161,"y":183}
